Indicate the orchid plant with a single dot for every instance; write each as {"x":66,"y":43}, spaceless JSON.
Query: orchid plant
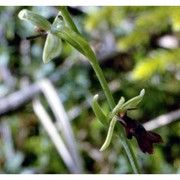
{"x":63,"y":28}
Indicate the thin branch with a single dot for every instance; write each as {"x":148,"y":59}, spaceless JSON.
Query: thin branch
{"x":19,"y":98}
{"x":162,"y":120}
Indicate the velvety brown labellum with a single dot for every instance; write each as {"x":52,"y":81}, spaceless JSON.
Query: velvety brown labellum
{"x":144,"y":138}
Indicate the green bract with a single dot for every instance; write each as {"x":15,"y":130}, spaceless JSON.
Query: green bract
{"x":76,"y":41}
{"x":35,"y":19}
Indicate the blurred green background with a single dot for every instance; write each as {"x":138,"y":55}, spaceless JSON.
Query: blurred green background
{"x":137,"y":47}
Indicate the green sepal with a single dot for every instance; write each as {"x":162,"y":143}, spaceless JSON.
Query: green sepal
{"x":109,"y":134}
{"x":52,"y":47}
{"x":98,"y":112}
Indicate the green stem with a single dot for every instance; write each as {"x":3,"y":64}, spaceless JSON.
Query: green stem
{"x":103,"y":83}
{"x":131,"y":156}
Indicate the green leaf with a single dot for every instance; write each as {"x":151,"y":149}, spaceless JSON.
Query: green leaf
{"x":52,"y":47}
{"x":35,"y":19}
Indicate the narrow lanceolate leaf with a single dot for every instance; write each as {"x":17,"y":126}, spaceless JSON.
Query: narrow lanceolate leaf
{"x":35,"y":19}
{"x":52,"y":47}
{"x":132,"y":103}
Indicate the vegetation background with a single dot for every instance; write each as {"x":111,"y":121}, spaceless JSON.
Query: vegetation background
{"x":137,"y":47}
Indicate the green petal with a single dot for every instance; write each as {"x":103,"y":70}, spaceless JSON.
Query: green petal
{"x":35,"y":19}
{"x":67,"y":18}
{"x":58,"y":22}
{"x":118,"y":106}
{"x":132,"y":103}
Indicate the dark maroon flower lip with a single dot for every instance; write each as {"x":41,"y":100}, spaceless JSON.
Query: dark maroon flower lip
{"x":145,"y":139}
